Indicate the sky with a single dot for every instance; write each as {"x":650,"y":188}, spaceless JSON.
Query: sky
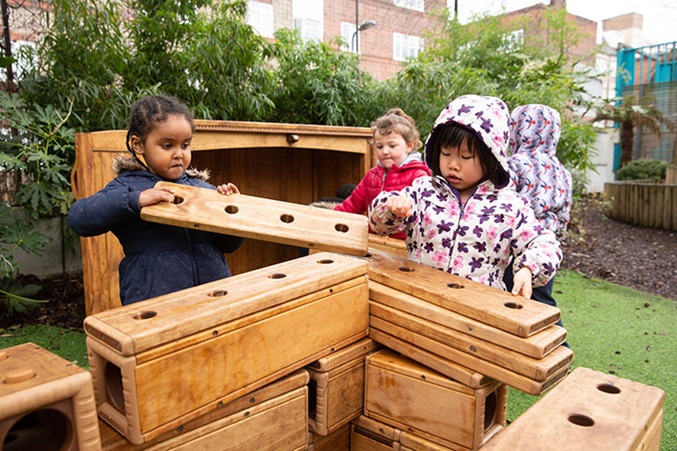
{"x":660,"y":16}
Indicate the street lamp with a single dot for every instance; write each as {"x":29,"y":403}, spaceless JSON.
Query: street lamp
{"x":354,"y":42}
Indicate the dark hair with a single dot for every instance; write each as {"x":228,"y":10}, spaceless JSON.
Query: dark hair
{"x":453,"y":135}
{"x":396,"y":120}
{"x":149,"y":111}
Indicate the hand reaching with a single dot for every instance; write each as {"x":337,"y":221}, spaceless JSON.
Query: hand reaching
{"x":155,"y":196}
{"x":522,"y":283}
{"x":227,"y":188}
{"x":400,"y":206}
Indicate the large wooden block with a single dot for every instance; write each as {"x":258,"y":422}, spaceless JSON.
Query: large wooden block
{"x":162,"y":362}
{"x":262,"y":219}
{"x":269,"y":418}
{"x":337,"y":440}
{"x":588,"y":410}
{"x":46,"y":402}
{"x":337,"y":387}
{"x":367,"y":434}
{"x":389,"y":245}
{"x":411,"y":397}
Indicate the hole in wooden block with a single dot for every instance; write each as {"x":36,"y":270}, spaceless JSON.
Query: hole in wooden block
{"x":514,"y":305}
{"x":231,"y":209}
{"x":343,"y":228}
{"x":146,"y":314}
{"x":406,"y":269}
{"x":325,"y":261}
{"x":114,"y":390}
{"x":608,"y":388}
{"x":581,"y":420}
{"x":455,"y":285}
{"x":287,"y":219}
{"x":217,"y":293}
{"x":490,"y":403}
{"x":178,"y":200}
{"x":45,"y":429}
{"x":278,"y":275}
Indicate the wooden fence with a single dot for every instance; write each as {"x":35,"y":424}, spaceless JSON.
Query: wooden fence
{"x":644,"y":204}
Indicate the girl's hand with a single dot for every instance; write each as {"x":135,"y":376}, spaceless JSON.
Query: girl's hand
{"x":400,"y":206}
{"x":522,"y":283}
{"x":155,"y":196}
{"x":227,"y":188}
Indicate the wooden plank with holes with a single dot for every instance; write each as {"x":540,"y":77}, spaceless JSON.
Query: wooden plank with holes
{"x":413,"y":398}
{"x":262,"y":219}
{"x":197,"y":351}
{"x":588,"y":410}
{"x":513,"y":314}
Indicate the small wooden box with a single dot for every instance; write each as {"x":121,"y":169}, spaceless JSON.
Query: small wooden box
{"x":411,"y":397}
{"x":159,"y":363}
{"x":269,"y":418}
{"x":367,"y":434}
{"x":338,"y":440}
{"x":337,"y":387}
{"x":45,"y":401}
{"x":588,"y":410}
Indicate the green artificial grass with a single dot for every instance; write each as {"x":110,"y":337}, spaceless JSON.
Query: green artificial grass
{"x":612,"y":329}
{"x":620,"y":331}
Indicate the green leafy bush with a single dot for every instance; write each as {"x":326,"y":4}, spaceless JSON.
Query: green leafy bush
{"x":643,"y":169}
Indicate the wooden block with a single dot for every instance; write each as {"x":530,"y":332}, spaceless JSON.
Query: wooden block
{"x":413,"y":398}
{"x":263,"y":219}
{"x":473,"y":351}
{"x":367,"y":434}
{"x":338,"y":440}
{"x":419,"y":341}
{"x":45,"y":401}
{"x":272,"y":430}
{"x":389,"y":245}
{"x":411,"y":442}
{"x":499,"y":309}
{"x":337,"y":387}
{"x":537,"y":345}
{"x":588,"y":410}
{"x":197,"y":351}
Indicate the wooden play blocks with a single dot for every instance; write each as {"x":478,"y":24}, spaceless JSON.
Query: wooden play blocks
{"x":338,"y":440}
{"x":337,"y":387}
{"x":159,"y":363}
{"x":588,"y":410}
{"x":270,"y":418}
{"x":262,"y":219}
{"x":45,"y":399}
{"x":412,"y":398}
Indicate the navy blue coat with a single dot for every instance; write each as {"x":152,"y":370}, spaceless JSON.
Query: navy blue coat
{"x":159,"y":259}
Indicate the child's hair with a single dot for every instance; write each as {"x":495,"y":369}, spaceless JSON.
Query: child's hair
{"x":149,"y":111}
{"x":396,"y":120}
{"x":453,"y":135}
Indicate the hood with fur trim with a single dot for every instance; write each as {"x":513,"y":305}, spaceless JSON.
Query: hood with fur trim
{"x":125,"y":163}
{"x":488,"y":117}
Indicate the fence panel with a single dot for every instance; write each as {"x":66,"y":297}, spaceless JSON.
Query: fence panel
{"x":644,"y":204}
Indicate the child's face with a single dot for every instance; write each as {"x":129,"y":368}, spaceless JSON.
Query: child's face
{"x":391,"y":148}
{"x":461,"y":167}
{"x":167,"y":147}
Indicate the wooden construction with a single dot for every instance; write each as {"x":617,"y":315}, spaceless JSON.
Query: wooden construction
{"x":588,"y":410}
{"x":160,"y":363}
{"x":262,"y":219}
{"x":338,"y":440}
{"x":269,"y":418}
{"x":337,"y":387}
{"x":288,"y":162}
{"x":651,"y":205}
{"x":45,"y":399}
{"x":409,"y":396}
{"x":367,"y":434}
{"x":389,"y":245}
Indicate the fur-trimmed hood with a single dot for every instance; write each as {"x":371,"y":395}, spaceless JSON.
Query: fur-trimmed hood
{"x":124,"y":162}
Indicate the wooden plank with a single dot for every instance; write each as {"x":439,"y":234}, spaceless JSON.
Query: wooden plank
{"x":588,"y":410}
{"x":339,"y":440}
{"x":537,"y":345}
{"x":261,"y":218}
{"x":525,"y":384}
{"x":513,"y":314}
{"x":388,"y":244}
{"x":368,"y":434}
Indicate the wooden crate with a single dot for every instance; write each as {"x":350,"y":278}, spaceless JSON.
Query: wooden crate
{"x":46,"y":402}
{"x":588,"y":410}
{"x":288,"y":162}
{"x":269,"y":418}
{"x":159,"y":363}
{"x":411,"y":397}
{"x":338,"y":440}
{"x":265,"y":219}
{"x":337,"y":387}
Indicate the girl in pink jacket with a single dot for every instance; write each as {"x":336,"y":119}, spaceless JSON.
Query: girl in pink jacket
{"x":396,"y":142}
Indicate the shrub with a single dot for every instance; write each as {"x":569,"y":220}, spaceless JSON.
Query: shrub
{"x":643,"y":169}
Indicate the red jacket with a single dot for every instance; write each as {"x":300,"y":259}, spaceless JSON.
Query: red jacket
{"x":377,"y":180}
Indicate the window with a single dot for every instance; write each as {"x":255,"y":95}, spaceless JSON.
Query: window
{"x":416,"y":5}
{"x":347,"y":34}
{"x":260,"y":16}
{"x":310,"y":29}
{"x":309,"y":18}
{"x":406,"y":46}
{"x":513,"y":41}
